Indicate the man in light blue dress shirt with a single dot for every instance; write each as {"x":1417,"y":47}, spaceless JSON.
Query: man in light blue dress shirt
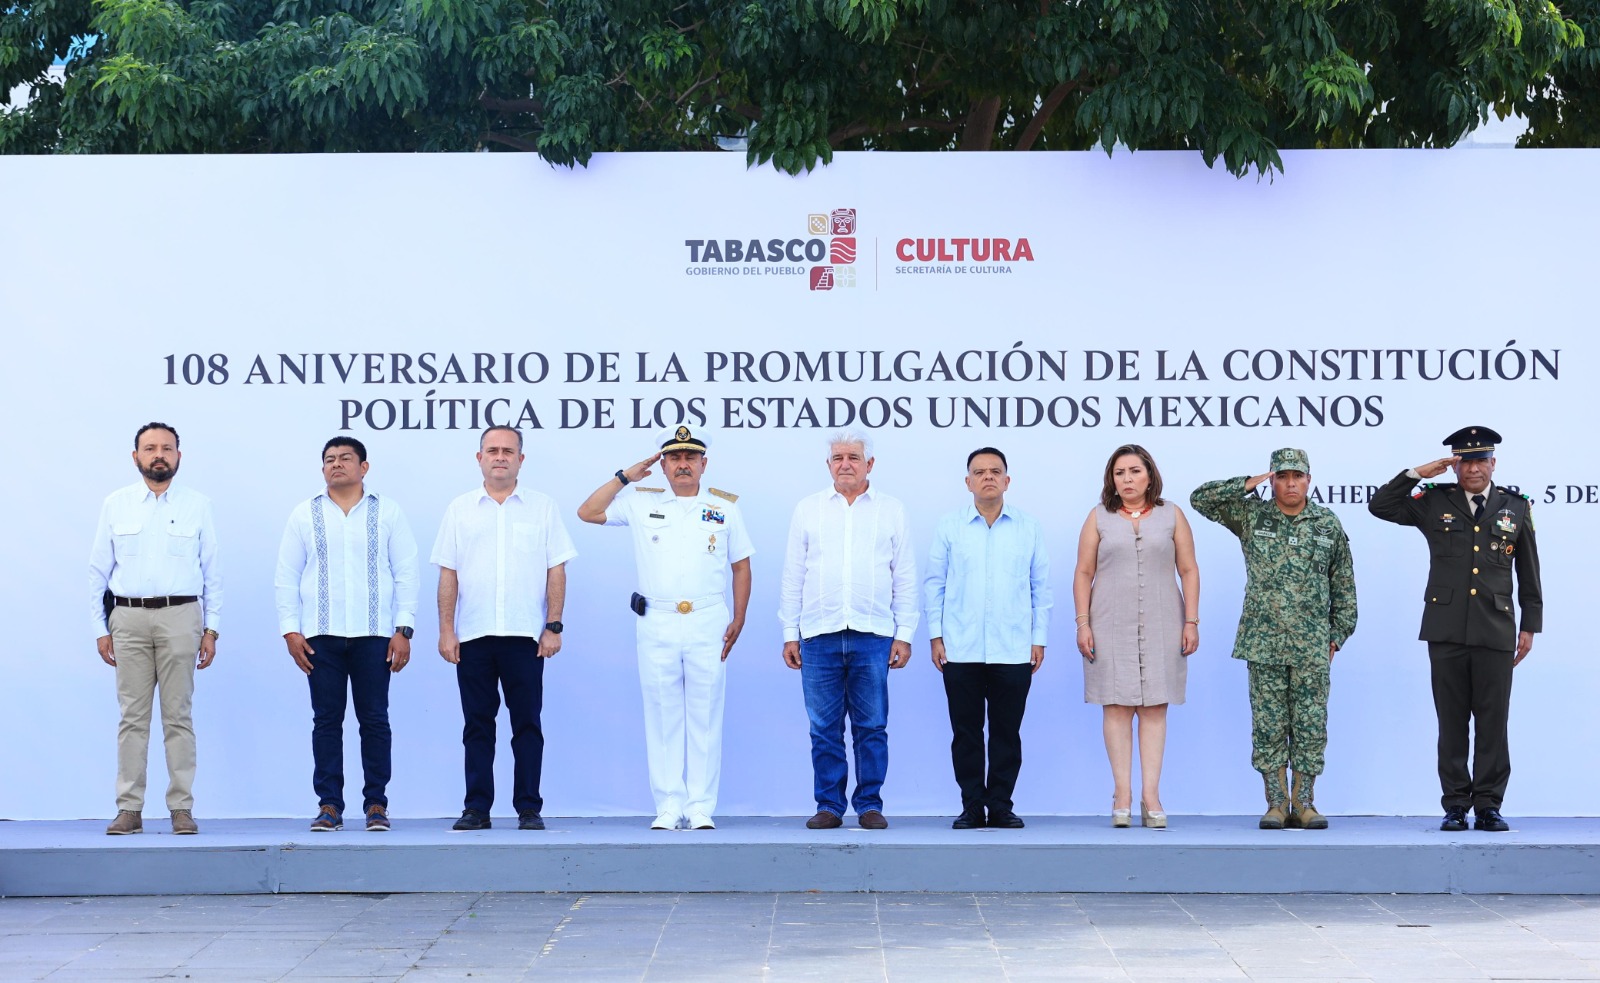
{"x":987,"y":597}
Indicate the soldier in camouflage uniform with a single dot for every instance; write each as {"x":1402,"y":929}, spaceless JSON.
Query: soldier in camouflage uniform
{"x":1299,"y":607}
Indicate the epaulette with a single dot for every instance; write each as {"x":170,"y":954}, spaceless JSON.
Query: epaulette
{"x":1439,"y":486}
{"x":1514,"y":490}
{"x":642,"y":488}
{"x":730,"y":496}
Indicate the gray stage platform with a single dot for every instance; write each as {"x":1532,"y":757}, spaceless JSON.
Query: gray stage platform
{"x":1210,"y":854}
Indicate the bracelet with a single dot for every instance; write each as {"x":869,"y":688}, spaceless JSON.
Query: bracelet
{"x":622,"y":477}
{"x":1082,"y":627}
{"x":1082,"y":618}
{"x":1192,"y":621}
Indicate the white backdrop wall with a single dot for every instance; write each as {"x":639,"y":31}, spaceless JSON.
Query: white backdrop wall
{"x":1372,"y":268}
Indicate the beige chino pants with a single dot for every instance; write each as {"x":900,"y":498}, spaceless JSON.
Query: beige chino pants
{"x":156,"y":650}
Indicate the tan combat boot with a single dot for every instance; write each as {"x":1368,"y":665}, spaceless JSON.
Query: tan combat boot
{"x":1304,"y":814}
{"x":1277,"y":799}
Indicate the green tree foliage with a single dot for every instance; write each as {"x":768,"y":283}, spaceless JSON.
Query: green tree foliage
{"x":1237,"y":80}
{"x":1563,"y":108}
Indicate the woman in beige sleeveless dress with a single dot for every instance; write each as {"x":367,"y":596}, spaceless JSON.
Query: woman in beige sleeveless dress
{"x":1136,"y":624}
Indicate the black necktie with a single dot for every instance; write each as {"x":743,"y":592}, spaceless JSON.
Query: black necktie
{"x":1477,"y":507}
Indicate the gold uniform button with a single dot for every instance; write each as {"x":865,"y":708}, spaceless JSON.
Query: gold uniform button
{"x":1476,"y":549}
{"x":1474,"y":591}
{"x":1474,"y":569}
{"x":1476,"y":529}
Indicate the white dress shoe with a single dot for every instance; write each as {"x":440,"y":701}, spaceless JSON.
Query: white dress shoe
{"x":665,"y":821}
{"x":701,"y":822}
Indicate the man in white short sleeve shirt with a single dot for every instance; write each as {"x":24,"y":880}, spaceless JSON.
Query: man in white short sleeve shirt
{"x":501,"y":553}
{"x":155,"y":587}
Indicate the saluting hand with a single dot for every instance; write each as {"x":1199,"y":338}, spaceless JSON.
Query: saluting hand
{"x":641,"y":471}
{"x":1434,"y":469}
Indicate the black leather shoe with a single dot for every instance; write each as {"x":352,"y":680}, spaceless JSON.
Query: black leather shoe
{"x":471,"y":819}
{"x":1455,"y":821}
{"x":1490,"y":821}
{"x":969,"y":819}
{"x":530,"y":820}
{"x":1005,"y":820}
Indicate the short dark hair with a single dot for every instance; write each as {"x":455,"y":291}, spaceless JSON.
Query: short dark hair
{"x":153,"y":425}
{"x":1108,"y":491}
{"x":988,"y":450}
{"x":350,"y":442}
{"x":489,"y":430}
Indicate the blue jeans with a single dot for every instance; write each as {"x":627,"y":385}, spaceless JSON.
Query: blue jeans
{"x":360,"y":665}
{"x":488,"y":665}
{"x":847,"y":672}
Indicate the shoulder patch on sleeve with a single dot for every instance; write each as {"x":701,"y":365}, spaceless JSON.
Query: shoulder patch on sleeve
{"x":730,"y":496}
{"x":641,"y":488}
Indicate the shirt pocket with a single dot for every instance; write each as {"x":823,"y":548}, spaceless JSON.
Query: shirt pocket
{"x":655,"y":533}
{"x":125,"y":538}
{"x":1448,"y":537}
{"x":183,"y":540}
{"x":525,"y":537}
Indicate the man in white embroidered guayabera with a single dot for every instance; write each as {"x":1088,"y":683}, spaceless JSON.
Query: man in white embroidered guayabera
{"x":347,"y":605}
{"x":155,"y":587}
{"x":848,"y":606}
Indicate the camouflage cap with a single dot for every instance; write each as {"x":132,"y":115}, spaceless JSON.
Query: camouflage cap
{"x":1290,"y":459}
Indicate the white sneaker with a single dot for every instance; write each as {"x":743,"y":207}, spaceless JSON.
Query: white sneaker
{"x":701,"y":822}
{"x":665,"y":821}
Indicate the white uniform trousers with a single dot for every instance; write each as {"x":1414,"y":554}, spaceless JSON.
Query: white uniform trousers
{"x":683,"y":678}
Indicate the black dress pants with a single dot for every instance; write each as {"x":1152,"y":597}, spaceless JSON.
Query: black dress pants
{"x":973,"y":689}
{"x":488,"y":665}
{"x":1472,"y":691}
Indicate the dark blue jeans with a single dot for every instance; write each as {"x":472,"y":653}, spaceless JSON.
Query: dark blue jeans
{"x":360,"y":667}
{"x":488,"y":665}
{"x":847,"y":673}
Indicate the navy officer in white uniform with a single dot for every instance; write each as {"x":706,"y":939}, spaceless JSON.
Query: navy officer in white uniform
{"x":686,"y":538}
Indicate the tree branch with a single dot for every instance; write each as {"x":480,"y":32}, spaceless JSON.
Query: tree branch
{"x":978,"y":134}
{"x":690,"y":90}
{"x":533,"y":106}
{"x":515,"y":143}
{"x":1052,"y":102}
{"x":853,"y":130}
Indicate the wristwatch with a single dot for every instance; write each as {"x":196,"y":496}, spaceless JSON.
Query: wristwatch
{"x":404,"y":631}
{"x":213,"y":633}
{"x":622,"y":476}
{"x":554,"y":627}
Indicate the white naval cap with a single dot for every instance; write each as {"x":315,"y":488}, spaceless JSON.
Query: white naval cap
{"x":683,"y":437}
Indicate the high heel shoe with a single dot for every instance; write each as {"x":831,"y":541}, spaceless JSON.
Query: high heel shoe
{"x":1151,"y":820}
{"x":1120,"y":818}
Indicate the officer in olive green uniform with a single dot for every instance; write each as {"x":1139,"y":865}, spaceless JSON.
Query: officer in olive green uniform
{"x":1477,"y":533}
{"x":1299,"y":607}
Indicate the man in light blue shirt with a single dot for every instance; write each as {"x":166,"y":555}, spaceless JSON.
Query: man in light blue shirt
{"x":988,"y":607}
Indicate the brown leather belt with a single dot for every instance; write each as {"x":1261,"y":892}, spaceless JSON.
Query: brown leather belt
{"x":170,"y":601}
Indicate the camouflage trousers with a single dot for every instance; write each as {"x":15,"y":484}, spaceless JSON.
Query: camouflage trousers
{"x":1288,"y":717}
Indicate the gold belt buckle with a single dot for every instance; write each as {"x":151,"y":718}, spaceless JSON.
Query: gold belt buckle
{"x":684,"y":607}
